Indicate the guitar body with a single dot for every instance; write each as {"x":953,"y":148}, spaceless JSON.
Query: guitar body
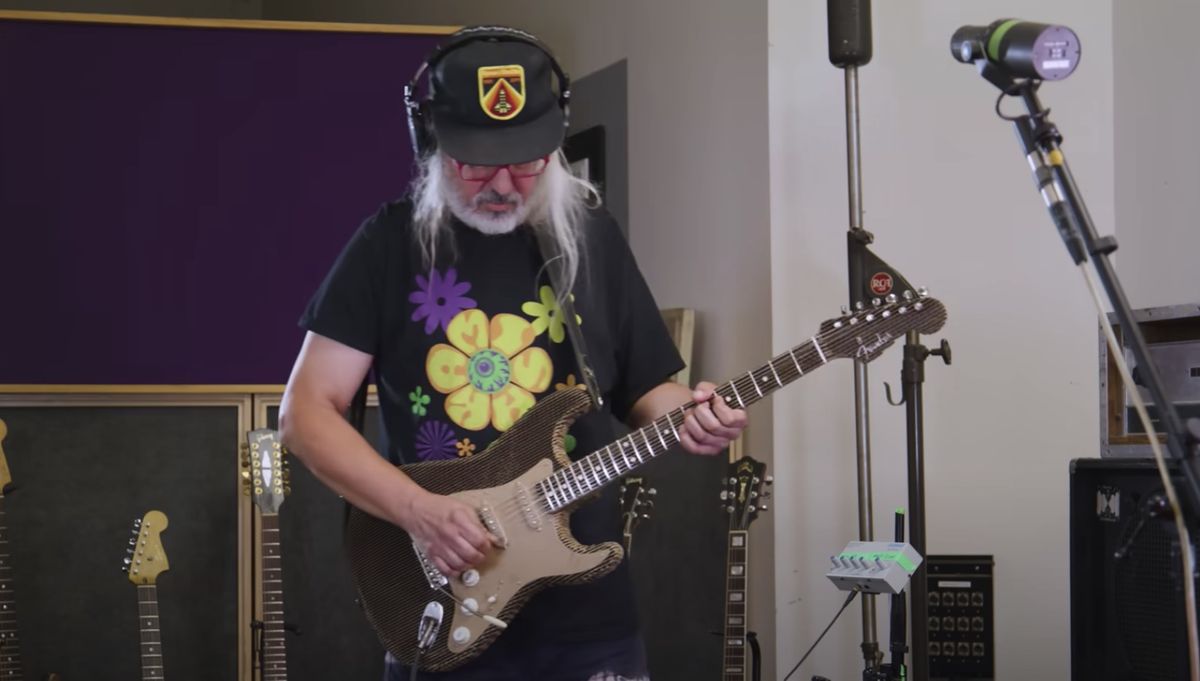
{"x":540,"y":550}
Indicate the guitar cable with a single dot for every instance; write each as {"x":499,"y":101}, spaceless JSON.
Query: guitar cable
{"x":845,"y":604}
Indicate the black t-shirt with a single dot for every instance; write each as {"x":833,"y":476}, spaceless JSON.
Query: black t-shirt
{"x":464,"y":347}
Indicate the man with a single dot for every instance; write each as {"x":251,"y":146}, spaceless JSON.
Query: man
{"x":446,"y":296}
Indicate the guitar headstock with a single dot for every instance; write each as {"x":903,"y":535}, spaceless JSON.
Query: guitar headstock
{"x":5,"y":476}
{"x":145,"y":558}
{"x":265,"y":476}
{"x":745,"y":493}
{"x":865,"y":332}
{"x":636,"y":500}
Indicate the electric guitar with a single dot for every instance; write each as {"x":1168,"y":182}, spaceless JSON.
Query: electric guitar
{"x":635,"y":500}
{"x":748,"y":488}
{"x":268,"y":480}
{"x":145,"y":561}
{"x":524,"y":487}
{"x":10,"y":649}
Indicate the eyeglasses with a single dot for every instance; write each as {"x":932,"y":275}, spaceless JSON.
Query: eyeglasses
{"x":474,"y":173}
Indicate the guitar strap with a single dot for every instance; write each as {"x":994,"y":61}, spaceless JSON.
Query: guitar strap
{"x":553,"y":259}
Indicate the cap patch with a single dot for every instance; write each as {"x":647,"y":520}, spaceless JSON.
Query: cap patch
{"x":502,"y":90}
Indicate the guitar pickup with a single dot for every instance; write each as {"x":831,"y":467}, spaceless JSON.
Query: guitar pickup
{"x":488,"y":518}
{"x":435,"y":577}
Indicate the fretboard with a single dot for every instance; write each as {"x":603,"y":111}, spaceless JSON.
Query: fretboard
{"x":734,"y":661}
{"x":10,"y":644}
{"x":151,"y":638}
{"x":274,"y":651}
{"x":603,"y":466}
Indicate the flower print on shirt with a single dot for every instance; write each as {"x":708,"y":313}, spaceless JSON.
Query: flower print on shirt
{"x":548,"y":315}
{"x":436,"y":440}
{"x":439,"y":298}
{"x":488,"y":371}
{"x":419,"y":401}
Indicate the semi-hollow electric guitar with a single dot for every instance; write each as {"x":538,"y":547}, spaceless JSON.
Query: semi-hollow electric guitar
{"x":268,"y":481}
{"x":146,"y":559}
{"x":745,"y":495}
{"x":524,"y":487}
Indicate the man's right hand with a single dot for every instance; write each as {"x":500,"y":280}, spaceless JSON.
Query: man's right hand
{"x":449,"y":532}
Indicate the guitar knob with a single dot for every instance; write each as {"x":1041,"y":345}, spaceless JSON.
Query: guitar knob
{"x":770,"y":480}
{"x":470,"y":577}
{"x":762,"y":507}
{"x":891,"y":298}
{"x":645,"y":516}
{"x":729,"y":509}
{"x":752,"y":508}
{"x":875,"y":302}
{"x":724,"y":494}
{"x":908,"y":295}
{"x":461,"y":635}
{"x":652,"y":491}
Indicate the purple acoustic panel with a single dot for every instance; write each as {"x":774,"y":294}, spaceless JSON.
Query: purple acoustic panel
{"x":170,"y":197}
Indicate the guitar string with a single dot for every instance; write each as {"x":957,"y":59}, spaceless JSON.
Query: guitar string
{"x":745,"y":391}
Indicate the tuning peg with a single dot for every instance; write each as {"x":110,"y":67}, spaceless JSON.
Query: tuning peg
{"x":858,"y":305}
{"x":753,"y":508}
{"x":891,"y":298}
{"x":733,"y":481}
{"x":762,"y":506}
{"x":729,"y":509}
{"x":652,"y":491}
{"x":845,"y":310}
{"x":908,"y":295}
{"x":128,"y":562}
{"x":724,"y":494}
{"x":875,"y":302}
{"x":923,"y":292}
{"x":132,"y":542}
{"x":287,"y":489}
{"x":770,"y":479}
{"x":645,"y":516}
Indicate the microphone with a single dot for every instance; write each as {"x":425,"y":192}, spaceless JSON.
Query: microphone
{"x":431,"y":623}
{"x":849,"y":32}
{"x":1020,"y":49}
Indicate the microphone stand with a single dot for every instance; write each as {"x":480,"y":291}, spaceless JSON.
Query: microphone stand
{"x":1040,"y":139}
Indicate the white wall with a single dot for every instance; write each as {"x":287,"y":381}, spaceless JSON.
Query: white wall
{"x":949,"y":198}
{"x":1157,"y":151}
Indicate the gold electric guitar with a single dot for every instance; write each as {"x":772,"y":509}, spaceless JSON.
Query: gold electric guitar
{"x":747,"y":490}
{"x":268,"y":480}
{"x":636,"y":501}
{"x":524,"y":488}
{"x":145,"y":561}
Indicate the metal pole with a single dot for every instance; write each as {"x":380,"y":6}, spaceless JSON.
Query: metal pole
{"x":914,"y":376}
{"x":872,"y":656}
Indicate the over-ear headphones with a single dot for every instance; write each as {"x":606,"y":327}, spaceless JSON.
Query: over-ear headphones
{"x":420,"y":125}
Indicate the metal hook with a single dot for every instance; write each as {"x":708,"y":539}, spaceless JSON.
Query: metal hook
{"x":888,"y":389}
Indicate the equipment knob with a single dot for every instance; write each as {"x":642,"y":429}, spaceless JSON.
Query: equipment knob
{"x":470,"y":577}
{"x":470,"y":606}
{"x":461,"y":635}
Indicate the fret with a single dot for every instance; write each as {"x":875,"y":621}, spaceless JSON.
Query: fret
{"x":148,"y":632}
{"x":671,"y":422}
{"x":274,"y":648}
{"x":659,"y":434}
{"x":649,"y":446}
{"x":775,"y":373}
{"x":592,"y":466}
{"x":792,"y":353}
{"x":816,"y":345}
{"x":613,"y":460}
{"x":637,"y":455}
{"x":754,"y":382}
{"x":735,"y":394}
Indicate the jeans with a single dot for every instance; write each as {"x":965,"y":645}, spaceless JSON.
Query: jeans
{"x":620,"y":660}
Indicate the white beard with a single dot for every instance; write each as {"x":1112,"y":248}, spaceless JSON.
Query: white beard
{"x":485,"y":220}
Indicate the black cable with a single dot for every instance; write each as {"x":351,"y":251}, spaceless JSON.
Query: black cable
{"x":412,"y":673}
{"x":827,"y":628}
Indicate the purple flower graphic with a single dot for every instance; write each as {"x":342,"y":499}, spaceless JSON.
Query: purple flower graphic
{"x":436,"y":440}
{"x":439,"y":298}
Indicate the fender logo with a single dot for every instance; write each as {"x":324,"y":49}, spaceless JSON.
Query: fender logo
{"x":868,"y":349}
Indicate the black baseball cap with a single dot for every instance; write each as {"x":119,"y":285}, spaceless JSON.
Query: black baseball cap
{"x":493,"y":103}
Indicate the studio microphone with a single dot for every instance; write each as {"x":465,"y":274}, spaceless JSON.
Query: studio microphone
{"x":849,"y":32}
{"x":431,"y":623}
{"x":1019,"y":49}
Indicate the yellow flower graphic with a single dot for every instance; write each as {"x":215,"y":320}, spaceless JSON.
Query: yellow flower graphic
{"x":571,"y":384}
{"x":548,"y":315}
{"x":488,"y":372}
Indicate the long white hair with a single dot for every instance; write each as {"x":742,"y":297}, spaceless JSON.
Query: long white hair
{"x":558,"y":207}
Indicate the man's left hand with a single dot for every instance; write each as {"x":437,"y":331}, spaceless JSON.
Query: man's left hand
{"x":712,"y":424}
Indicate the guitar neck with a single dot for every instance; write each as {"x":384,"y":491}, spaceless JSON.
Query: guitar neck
{"x":274,"y":650}
{"x":152,"y":660}
{"x":733,"y":662}
{"x":10,"y":648}
{"x":582,"y":477}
